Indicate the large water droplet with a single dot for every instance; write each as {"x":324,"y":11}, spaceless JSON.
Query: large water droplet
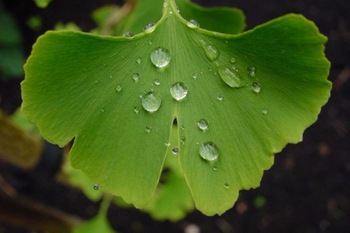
{"x":231,"y":77}
{"x":178,"y":91}
{"x":128,"y":34}
{"x":151,"y":102}
{"x":160,"y":57}
{"x":192,"y":23}
{"x":148,"y":28}
{"x":211,"y":52}
{"x":256,"y":87}
{"x":208,"y":151}
{"x":136,"y":77}
{"x":96,"y":187}
{"x":251,"y":71}
{"x":202,"y":124}
{"x":118,"y":88}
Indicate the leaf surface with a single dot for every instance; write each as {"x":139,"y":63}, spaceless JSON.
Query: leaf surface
{"x":244,"y":97}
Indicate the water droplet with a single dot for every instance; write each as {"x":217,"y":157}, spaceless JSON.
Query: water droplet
{"x":96,"y":187}
{"x":175,"y":150}
{"x":150,"y":27}
{"x":192,"y":23}
{"x":167,"y":144}
{"x":151,"y":102}
{"x":128,"y":34}
{"x":202,"y":124}
{"x":195,"y":75}
{"x":211,"y":52}
{"x":118,"y":88}
{"x":183,"y":140}
{"x":208,"y":151}
{"x":139,"y":60}
{"x":157,"y":82}
{"x":251,"y":71}
{"x":220,"y":97}
{"x":160,"y":57}
{"x":265,"y":111}
{"x":136,"y":110}
{"x":178,"y":91}
{"x":256,"y":87}
{"x":231,"y":77}
{"x":226,"y":185}
{"x":148,"y":129}
{"x":102,"y":110}
{"x":233,"y":60}
{"x":136,"y":77}
{"x":215,"y":168}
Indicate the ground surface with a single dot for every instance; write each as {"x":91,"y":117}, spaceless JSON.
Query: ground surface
{"x":308,"y":188}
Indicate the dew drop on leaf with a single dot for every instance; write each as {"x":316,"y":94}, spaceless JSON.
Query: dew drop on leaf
{"x":195,"y":75}
{"x":151,"y":102}
{"x":150,"y":27}
{"x":136,"y":110}
{"x":256,"y":87}
{"x":157,"y":82}
{"x":251,"y":71}
{"x":226,"y":185}
{"x":118,"y":88}
{"x":192,"y":23}
{"x":160,"y":57}
{"x":208,"y":151}
{"x":265,"y":111}
{"x":128,"y":35}
{"x":136,"y":77}
{"x":183,"y":140}
{"x":96,"y":187}
{"x":231,"y":77}
{"x":233,"y":60}
{"x":148,"y":129}
{"x":167,"y":144}
{"x":220,"y":97}
{"x":102,"y":110}
{"x":178,"y":91}
{"x":211,"y":52}
{"x":202,"y":124}
{"x":175,"y":150}
{"x":139,"y":60}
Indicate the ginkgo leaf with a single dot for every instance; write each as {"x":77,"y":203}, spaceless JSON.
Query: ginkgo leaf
{"x":234,"y":101}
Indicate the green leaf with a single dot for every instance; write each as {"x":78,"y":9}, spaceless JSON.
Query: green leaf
{"x":96,"y":224}
{"x":248,"y":95}
{"x":42,"y":3}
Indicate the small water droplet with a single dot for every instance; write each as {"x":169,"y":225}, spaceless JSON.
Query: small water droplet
{"x":233,"y":60}
{"x":167,"y":144}
{"x":208,"y":151}
{"x":192,"y":23}
{"x":231,"y":77}
{"x":175,"y":150}
{"x":157,"y":82}
{"x":195,"y":75}
{"x":202,"y":124}
{"x":183,"y":140}
{"x":139,"y":60}
{"x":211,"y":52}
{"x":128,"y":34}
{"x":215,"y":168}
{"x":148,"y":129}
{"x":150,"y":27}
{"x":256,"y":87}
{"x":118,"y":88}
{"x":178,"y":91}
{"x":136,"y":110}
{"x":102,"y":110}
{"x":220,"y":97}
{"x":160,"y":57}
{"x":226,"y":185}
{"x":265,"y":111}
{"x":136,"y":77}
{"x":96,"y":187}
{"x":251,"y":71}
{"x":151,"y":102}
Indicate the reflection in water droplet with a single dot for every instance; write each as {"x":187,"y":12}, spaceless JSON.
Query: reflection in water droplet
{"x":192,"y":23}
{"x":231,"y":77}
{"x":211,"y":52}
{"x":175,"y":150}
{"x":149,"y":27}
{"x":118,"y":88}
{"x":148,"y":129}
{"x":96,"y":187}
{"x":157,"y":82}
{"x":139,"y":60}
{"x":251,"y":71}
{"x":265,"y":111}
{"x":220,"y":97}
{"x":128,"y":35}
{"x":178,"y":91}
{"x":151,"y":102}
{"x":136,"y":110}
{"x":233,"y":60}
{"x":202,"y":124}
{"x":160,"y":57}
{"x":208,"y":151}
{"x":136,"y":77}
{"x":256,"y":87}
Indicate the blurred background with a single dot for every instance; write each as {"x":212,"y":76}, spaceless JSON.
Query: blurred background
{"x":307,"y":190}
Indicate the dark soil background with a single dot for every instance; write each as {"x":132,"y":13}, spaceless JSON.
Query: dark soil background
{"x":306,"y":191}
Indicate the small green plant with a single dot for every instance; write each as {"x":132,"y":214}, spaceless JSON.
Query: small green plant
{"x":183,"y":88}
